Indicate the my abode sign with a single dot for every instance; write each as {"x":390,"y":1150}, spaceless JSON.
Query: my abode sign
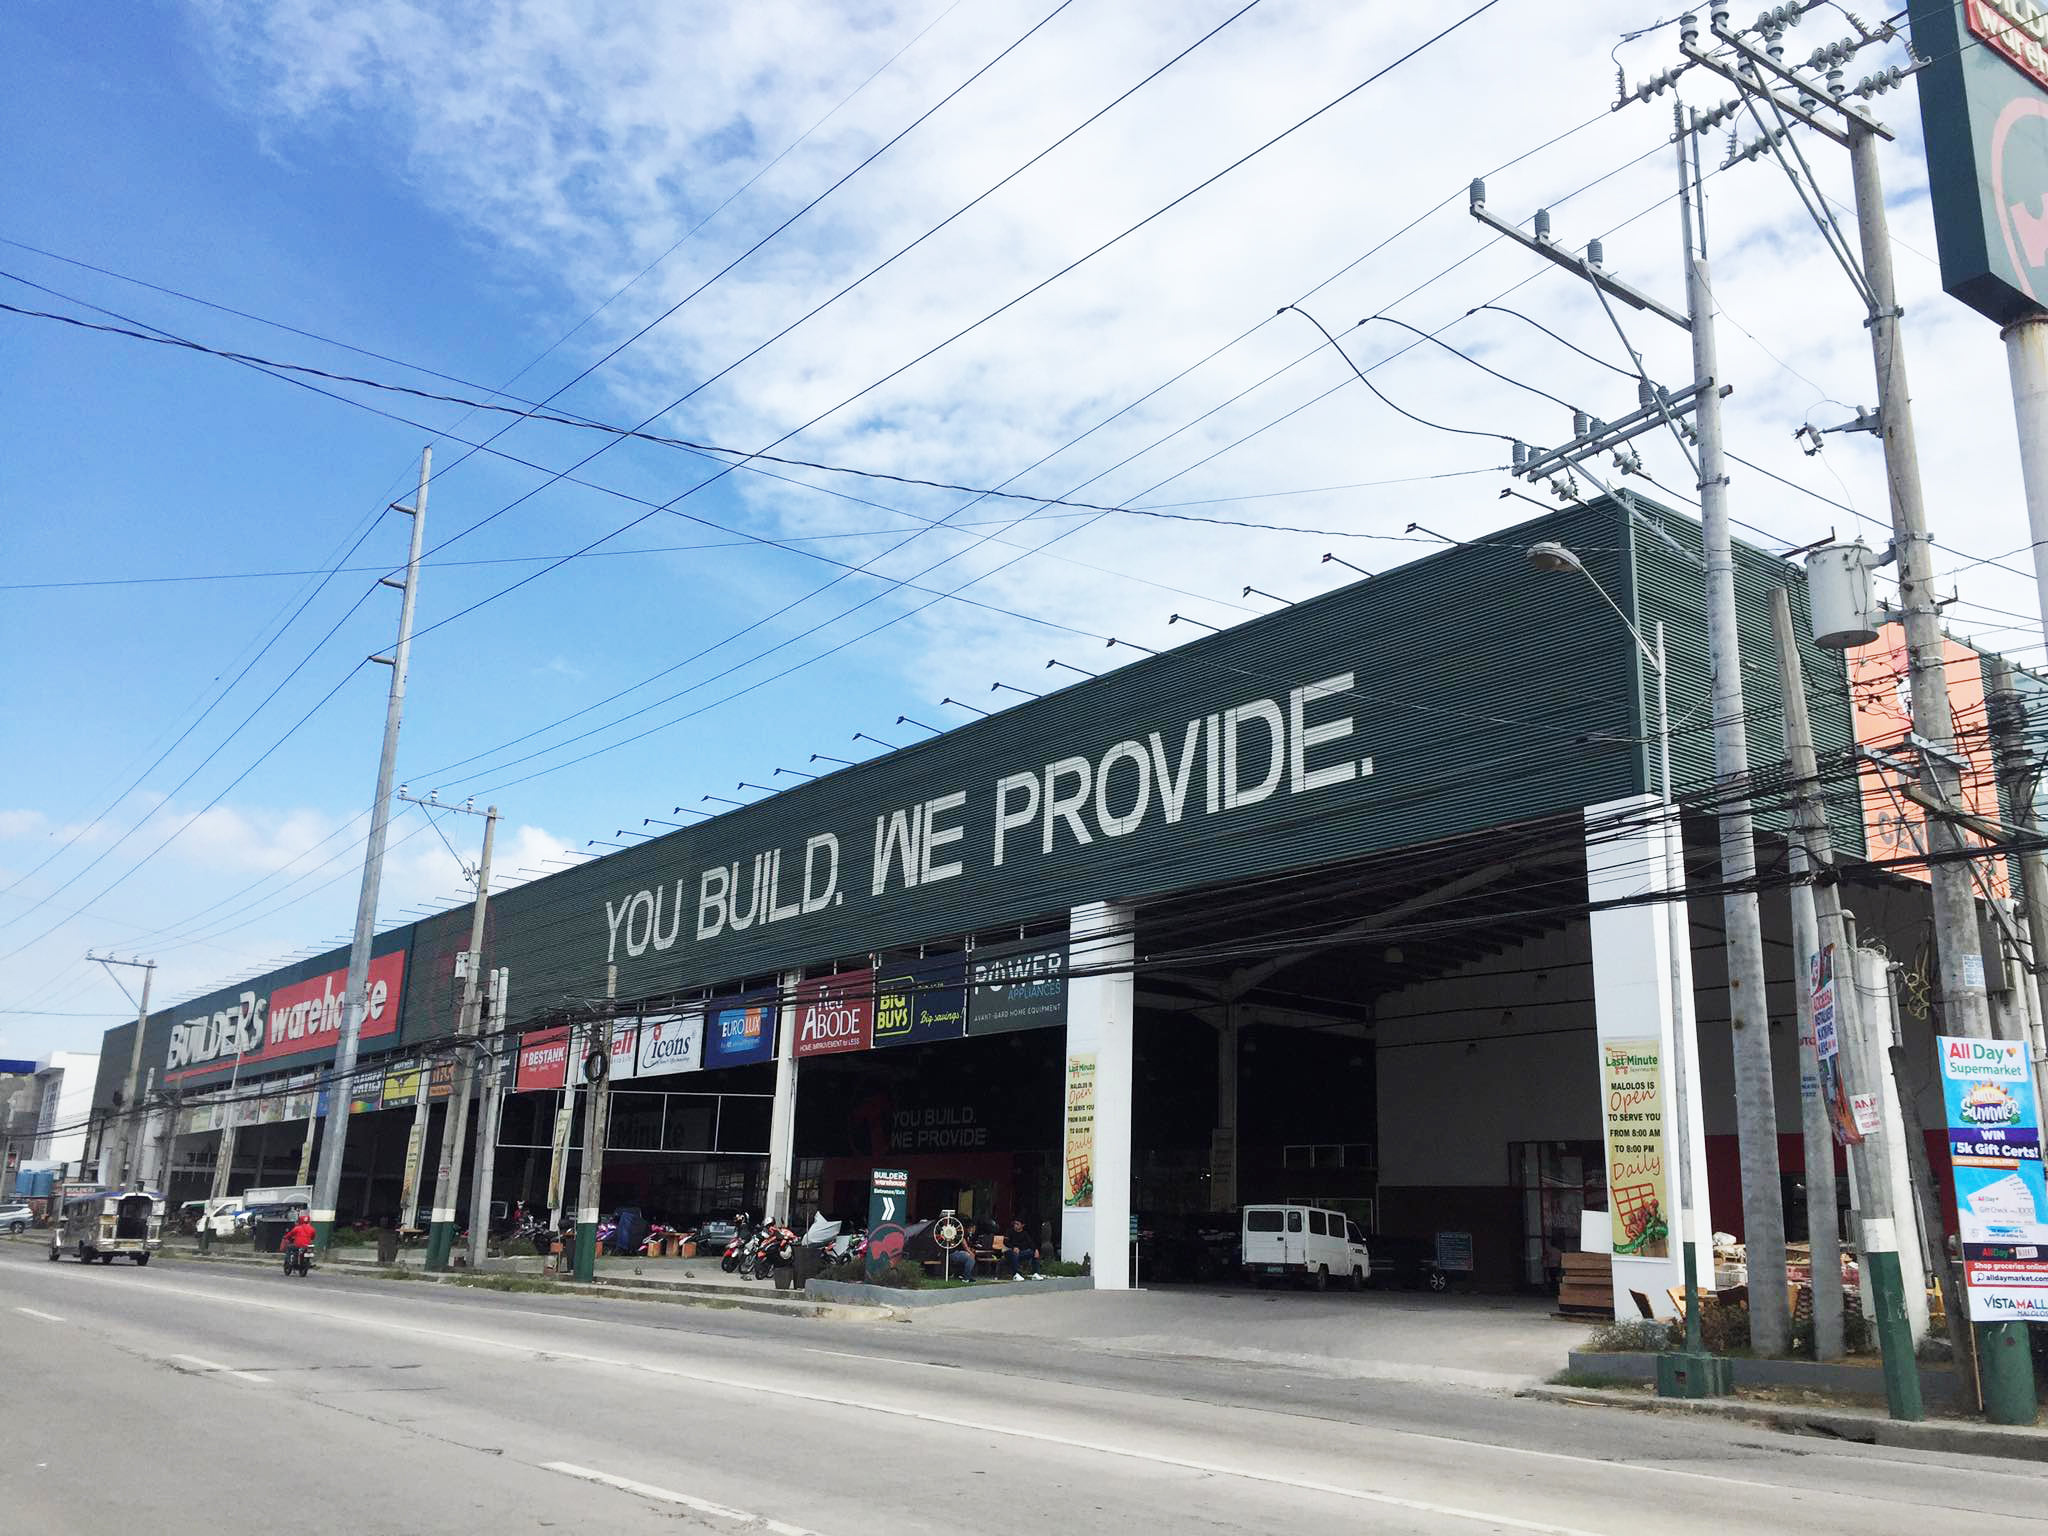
{"x":835,"y":1014}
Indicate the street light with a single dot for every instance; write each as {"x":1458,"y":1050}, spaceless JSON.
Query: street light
{"x":1556,"y":559}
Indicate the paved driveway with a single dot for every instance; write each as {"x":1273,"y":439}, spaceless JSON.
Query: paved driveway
{"x":1500,"y":1342}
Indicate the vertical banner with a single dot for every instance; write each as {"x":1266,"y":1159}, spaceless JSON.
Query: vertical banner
{"x":1638,"y":1198}
{"x":1827,"y":1049}
{"x":1994,"y":1153}
{"x":1077,"y":1192}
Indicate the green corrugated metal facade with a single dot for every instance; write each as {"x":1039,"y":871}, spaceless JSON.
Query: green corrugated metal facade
{"x":1482,"y":692}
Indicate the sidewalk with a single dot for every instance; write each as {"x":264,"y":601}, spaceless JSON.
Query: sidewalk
{"x":1864,"y":1426}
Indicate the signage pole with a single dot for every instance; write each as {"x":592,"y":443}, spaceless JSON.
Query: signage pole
{"x":597,"y":1063}
{"x":1809,"y":845}
{"x":455,"y":1123}
{"x":2026,"y":355}
{"x":355,"y":1004}
{"x":1965,"y":1010}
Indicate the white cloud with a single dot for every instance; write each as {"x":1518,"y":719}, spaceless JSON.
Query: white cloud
{"x":575,"y":146}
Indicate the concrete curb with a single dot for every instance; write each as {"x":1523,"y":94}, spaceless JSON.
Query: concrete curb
{"x":2013,"y":1444}
{"x":674,"y":1292}
{"x":1941,"y":1387}
{"x":854,"y":1293}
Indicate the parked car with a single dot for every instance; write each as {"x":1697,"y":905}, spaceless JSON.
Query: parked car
{"x":1303,"y":1243}
{"x":224,"y":1217}
{"x":1407,"y":1263}
{"x":16,"y":1216}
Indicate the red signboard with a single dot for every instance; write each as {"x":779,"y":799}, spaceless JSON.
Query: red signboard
{"x":835,"y":1014}
{"x":305,"y":1016}
{"x":543,"y":1060}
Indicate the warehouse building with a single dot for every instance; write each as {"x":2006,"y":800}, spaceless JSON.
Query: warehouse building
{"x":1344,"y":904}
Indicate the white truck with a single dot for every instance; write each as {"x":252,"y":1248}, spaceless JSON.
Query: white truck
{"x":216,"y":1217}
{"x":1303,"y":1243}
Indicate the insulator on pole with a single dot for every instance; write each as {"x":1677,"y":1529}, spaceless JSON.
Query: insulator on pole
{"x":1543,"y":225}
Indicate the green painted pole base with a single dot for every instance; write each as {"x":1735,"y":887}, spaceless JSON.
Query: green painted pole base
{"x":322,"y":1231}
{"x":2006,"y":1370}
{"x":586,"y":1250}
{"x":1895,"y":1337}
{"x":1682,"y":1373}
{"x":440,"y":1242}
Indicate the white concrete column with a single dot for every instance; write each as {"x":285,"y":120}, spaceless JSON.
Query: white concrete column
{"x":782,"y":1114}
{"x":1642,"y":991}
{"x":1099,"y":1014}
{"x":1223,"y":1152}
{"x":1874,"y":1026}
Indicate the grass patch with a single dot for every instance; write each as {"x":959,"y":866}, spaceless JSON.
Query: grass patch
{"x":1591,"y":1380}
{"x":519,"y":1283}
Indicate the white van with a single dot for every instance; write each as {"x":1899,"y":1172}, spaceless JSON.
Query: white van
{"x":1303,"y":1242}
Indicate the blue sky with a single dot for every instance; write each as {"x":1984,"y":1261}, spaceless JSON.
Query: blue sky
{"x":457,"y":187}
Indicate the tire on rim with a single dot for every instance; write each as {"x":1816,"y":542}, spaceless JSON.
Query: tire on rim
{"x":1321,"y":1279}
{"x":1357,"y":1278}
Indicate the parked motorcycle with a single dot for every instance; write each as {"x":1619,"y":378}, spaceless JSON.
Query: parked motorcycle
{"x":776,"y":1245}
{"x":745,"y":1238}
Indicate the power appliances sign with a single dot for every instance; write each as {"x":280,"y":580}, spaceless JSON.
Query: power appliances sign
{"x":1984,"y":110}
{"x":292,"y":1020}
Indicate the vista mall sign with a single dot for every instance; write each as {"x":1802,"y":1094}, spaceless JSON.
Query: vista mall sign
{"x":305,"y":1016}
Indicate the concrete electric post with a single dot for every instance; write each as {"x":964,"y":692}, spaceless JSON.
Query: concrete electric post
{"x":596,"y":1069}
{"x":327,"y":1186}
{"x":455,"y":1127}
{"x":126,"y":1123}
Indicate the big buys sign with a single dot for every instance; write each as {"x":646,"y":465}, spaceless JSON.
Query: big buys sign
{"x":255,"y":1029}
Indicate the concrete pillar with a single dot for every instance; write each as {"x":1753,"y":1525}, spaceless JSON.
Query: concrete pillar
{"x":782,"y":1115}
{"x":1874,"y":1025}
{"x":1100,"y":1008}
{"x":1642,"y":992}
{"x":1223,"y":1152}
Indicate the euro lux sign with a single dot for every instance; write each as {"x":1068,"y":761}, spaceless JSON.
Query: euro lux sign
{"x":1205,"y":771}
{"x":1984,"y":109}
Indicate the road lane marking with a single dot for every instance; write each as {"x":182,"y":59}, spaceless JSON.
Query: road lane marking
{"x":670,"y":1496}
{"x":756,"y":1388}
{"x":218,"y":1369}
{"x":48,"y":1317}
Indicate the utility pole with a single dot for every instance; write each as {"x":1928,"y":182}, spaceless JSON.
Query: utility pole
{"x":455,"y":1126}
{"x":1763,"y":1209}
{"x":597,"y":1063}
{"x":355,"y":1003}
{"x":487,"y":1133}
{"x":1778,"y":98}
{"x":2006,"y":712}
{"x":1756,"y":1124}
{"x":1810,"y":843}
{"x":125,"y":1122}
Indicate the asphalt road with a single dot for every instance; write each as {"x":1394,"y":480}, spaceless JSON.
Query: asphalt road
{"x":216,"y":1400}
